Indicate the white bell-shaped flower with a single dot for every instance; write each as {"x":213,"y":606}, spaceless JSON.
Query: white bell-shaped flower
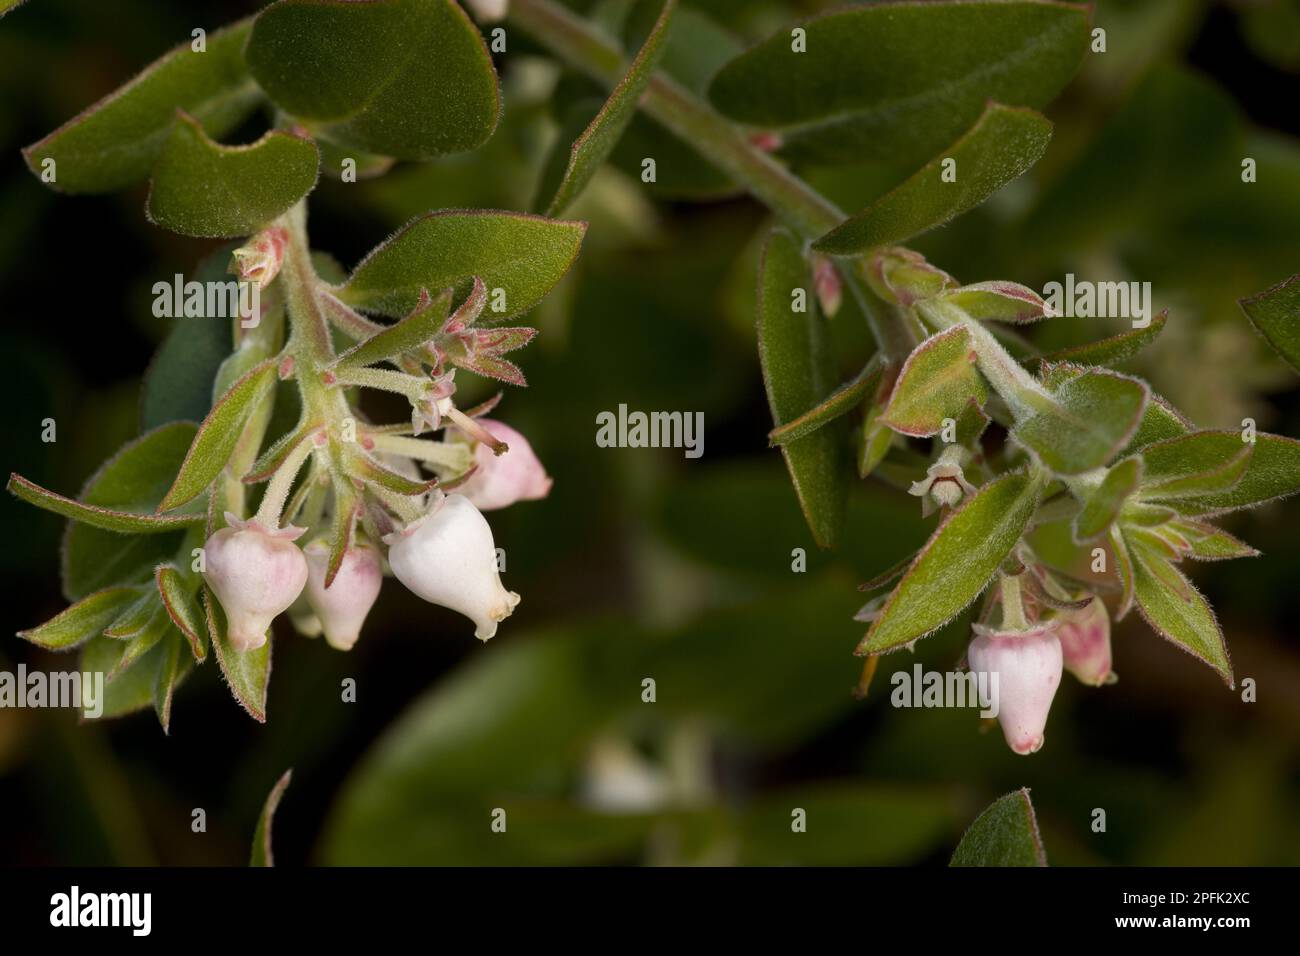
{"x":256,"y":573}
{"x":342,"y":607}
{"x":1024,"y":670}
{"x":448,"y":558}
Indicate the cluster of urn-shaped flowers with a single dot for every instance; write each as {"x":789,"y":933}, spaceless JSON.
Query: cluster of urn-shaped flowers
{"x":446,"y":556}
{"x":1061,"y":632}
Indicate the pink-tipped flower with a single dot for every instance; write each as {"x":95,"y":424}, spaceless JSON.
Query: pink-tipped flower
{"x":1085,"y":643}
{"x":259,"y":261}
{"x":944,"y":484}
{"x":501,"y":480}
{"x":342,"y":607}
{"x":1026,"y":666}
{"x":256,"y":573}
{"x":830,"y":290}
{"x":448,"y":558}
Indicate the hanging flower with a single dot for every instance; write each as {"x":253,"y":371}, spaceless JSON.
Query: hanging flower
{"x":256,"y":573}
{"x":501,"y":480}
{"x":1085,"y":643}
{"x":1024,"y":670}
{"x":448,"y":558}
{"x":343,"y":605}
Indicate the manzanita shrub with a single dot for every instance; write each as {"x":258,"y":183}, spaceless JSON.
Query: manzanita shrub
{"x":197,"y":537}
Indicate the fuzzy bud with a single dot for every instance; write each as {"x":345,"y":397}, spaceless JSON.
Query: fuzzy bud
{"x":256,"y":573}
{"x":1085,"y":643}
{"x":1027,"y":665}
{"x":501,"y":480}
{"x":342,"y":607}
{"x":448,"y":558}
{"x":259,"y":261}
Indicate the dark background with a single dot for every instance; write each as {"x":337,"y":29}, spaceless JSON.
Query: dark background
{"x":656,"y":315}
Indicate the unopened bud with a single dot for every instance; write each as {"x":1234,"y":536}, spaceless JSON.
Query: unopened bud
{"x":1027,"y":665}
{"x":256,"y":573}
{"x":902,"y":276}
{"x":342,"y":607}
{"x":501,"y":480}
{"x":1085,"y":643}
{"x":830,"y":290}
{"x":259,"y":261}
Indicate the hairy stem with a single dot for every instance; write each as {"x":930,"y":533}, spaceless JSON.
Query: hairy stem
{"x":586,"y":49}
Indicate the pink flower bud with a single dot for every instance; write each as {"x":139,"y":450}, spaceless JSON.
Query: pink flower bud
{"x":256,"y":573}
{"x":830,"y":290}
{"x":448,"y":558}
{"x":259,"y":261}
{"x":1085,"y":643}
{"x":501,"y":480}
{"x":1026,"y":666}
{"x":342,"y":607}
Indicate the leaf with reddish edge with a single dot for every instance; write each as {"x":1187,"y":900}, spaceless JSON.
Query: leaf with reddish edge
{"x":938,"y":381}
{"x":361,"y":465}
{"x":999,"y":301}
{"x":173,"y":664}
{"x":1006,"y":834}
{"x":279,"y":452}
{"x":1123,"y":569}
{"x":956,"y":564}
{"x":342,"y":527}
{"x":124,"y":522}
{"x":1275,"y":314}
{"x":420,"y":326}
{"x":592,"y":148}
{"x":85,"y":619}
{"x":838,"y":403}
{"x":1113,"y":350}
{"x":247,"y":673}
{"x":523,"y":256}
{"x":1208,"y":543}
{"x":1273,"y":473}
{"x":178,"y":597}
{"x":219,"y":434}
{"x":1176,"y":611}
{"x":262,"y":855}
{"x":1194,"y":464}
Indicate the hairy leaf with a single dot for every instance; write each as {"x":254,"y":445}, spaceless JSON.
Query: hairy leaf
{"x":262,"y":855}
{"x":82,"y":621}
{"x":1006,"y":834}
{"x":1275,"y":314}
{"x":1089,"y":419}
{"x":938,"y":381}
{"x":1104,"y":505}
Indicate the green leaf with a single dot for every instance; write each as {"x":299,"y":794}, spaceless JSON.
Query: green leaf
{"x":998,"y":301}
{"x":115,"y":143}
{"x":938,"y":381}
{"x":898,"y":81}
{"x":594,"y":146}
{"x":1275,"y":314}
{"x":109,"y":519}
{"x":129,"y":689}
{"x":1104,"y":505}
{"x":1160,"y":420}
{"x":247,"y":673}
{"x":1209,"y":543}
{"x":1273,"y":472}
{"x":174,"y":663}
{"x":82,"y":621}
{"x":424,"y":322}
{"x":178,"y":593}
{"x":178,"y":383}
{"x":219,"y":433}
{"x":201,"y":188}
{"x":1194,"y":464}
{"x":262,"y":855}
{"x":133,"y":480}
{"x":1004,"y":143}
{"x":1111,"y":350}
{"x":798,"y":373}
{"x":1175,"y":609}
{"x":838,"y":403}
{"x":410,"y":79}
{"x":1088,"y":420}
{"x":1006,"y":834}
{"x":522,"y":256}
{"x":956,"y":564}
